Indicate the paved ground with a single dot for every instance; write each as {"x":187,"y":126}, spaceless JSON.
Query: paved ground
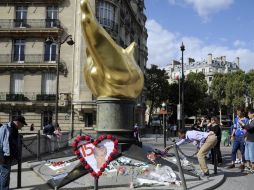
{"x":234,"y":178}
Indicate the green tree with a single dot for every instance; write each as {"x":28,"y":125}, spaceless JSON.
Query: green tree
{"x":157,"y":87}
{"x":250,"y":83}
{"x":218,"y":90}
{"x":235,"y":89}
{"x":195,"y":93}
{"x":195,"y":88}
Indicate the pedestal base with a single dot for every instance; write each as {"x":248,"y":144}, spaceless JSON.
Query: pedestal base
{"x":116,"y":116}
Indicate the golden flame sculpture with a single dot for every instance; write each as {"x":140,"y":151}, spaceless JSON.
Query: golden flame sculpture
{"x":111,"y":71}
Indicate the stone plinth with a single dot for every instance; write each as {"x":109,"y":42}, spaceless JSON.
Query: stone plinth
{"x":115,"y":116}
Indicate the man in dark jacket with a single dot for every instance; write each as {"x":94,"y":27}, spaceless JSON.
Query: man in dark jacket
{"x":9,"y":148}
{"x":249,"y":146}
{"x":49,"y":132}
{"x":215,"y":127}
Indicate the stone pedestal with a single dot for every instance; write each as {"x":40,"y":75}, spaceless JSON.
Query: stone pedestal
{"x":116,"y":116}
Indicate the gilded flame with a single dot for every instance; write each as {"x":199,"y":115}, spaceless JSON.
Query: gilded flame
{"x":111,"y":71}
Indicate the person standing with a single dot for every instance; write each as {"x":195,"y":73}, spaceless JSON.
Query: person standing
{"x":204,"y":141}
{"x":249,"y":146}
{"x":58,"y":135}
{"x":238,"y":135}
{"x":48,"y":130}
{"x":32,"y":127}
{"x":9,"y":148}
{"x":136,"y":131}
{"x":215,"y":127}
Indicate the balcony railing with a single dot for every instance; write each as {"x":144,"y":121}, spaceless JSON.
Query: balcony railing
{"x":107,"y":23}
{"x":45,"y":97}
{"x":29,"y":23}
{"x":30,"y":1}
{"x":27,"y":96}
{"x":28,"y":58}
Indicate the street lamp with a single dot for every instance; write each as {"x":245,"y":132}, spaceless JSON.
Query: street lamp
{"x":164,"y":111}
{"x":182,"y":89}
{"x":59,"y":42}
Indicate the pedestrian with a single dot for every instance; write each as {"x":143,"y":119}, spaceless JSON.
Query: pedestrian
{"x":215,"y":127}
{"x":136,"y":131}
{"x":249,"y":146}
{"x":9,"y":148}
{"x":197,"y":125}
{"x":174,"y":129}
{"x":58,"y":135}
{"x":48,"y":130}
{"x":205,"y":141}
{"x":32,"y":127}
{"x":238,"y":135}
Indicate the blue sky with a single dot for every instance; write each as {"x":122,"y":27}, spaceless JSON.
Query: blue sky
{"x":220,"y":27}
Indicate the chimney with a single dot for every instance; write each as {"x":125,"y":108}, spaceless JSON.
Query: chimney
{"x":237,"y":61}
{"x":223,"y":59}
{"x":210,"y":59}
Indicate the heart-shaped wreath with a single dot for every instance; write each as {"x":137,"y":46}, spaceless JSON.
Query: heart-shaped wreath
{"x":95,"y":155}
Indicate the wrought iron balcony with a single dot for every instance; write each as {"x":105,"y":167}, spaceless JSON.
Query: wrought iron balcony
{"x":45,"y":97}
{"x":29,"y":23}
{"x":29,"y":27}
{"x":28,"y":59}
{"x":27,"y":62}
{"x":27,"y":96}
{"x":30,"y":1}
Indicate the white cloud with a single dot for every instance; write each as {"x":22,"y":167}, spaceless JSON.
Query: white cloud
{"x":164,"y":46}
{"x":239,"y":43}
{"x":205,"y":8}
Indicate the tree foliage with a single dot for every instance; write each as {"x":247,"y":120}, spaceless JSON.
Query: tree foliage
{"x":157,"y":87}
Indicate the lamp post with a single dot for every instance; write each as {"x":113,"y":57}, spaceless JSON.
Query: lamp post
{"x":182,"y":89}
{"x":164,"y":110}
{"x":59,"y":42}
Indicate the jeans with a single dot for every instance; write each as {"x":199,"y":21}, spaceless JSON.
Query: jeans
{"x":51,"y":143}
{"x":249,"y":151}
{"x":238,"y":143}
{"x":5,"y":171}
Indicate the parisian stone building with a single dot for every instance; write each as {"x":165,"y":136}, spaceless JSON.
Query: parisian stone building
{"x":209,"y":67}
{"x":35,"y":45}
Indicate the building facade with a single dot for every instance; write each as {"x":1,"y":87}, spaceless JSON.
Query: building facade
{"x":209,"y":67}
{"x":28,"y":65}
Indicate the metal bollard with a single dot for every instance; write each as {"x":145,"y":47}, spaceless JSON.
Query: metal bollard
{"x":96,"y":179}
{"x":38,"y":144}
{"x":180,"y":167}
{"x":20,"y":140}
{"x":215,"y":160}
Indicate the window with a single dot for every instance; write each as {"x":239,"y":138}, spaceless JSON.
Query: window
{"x":88,"y":119}
{"x":49,"y":83}
{"x":17,"y":83}
{"x":106,"y":14}
{"x":19,"y":50}
{"x":52,"y":16}
{"x":50,"y":52}
{"x":210,"y":79}
{"x":46,"y":117}
{"x":21,"y":16}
